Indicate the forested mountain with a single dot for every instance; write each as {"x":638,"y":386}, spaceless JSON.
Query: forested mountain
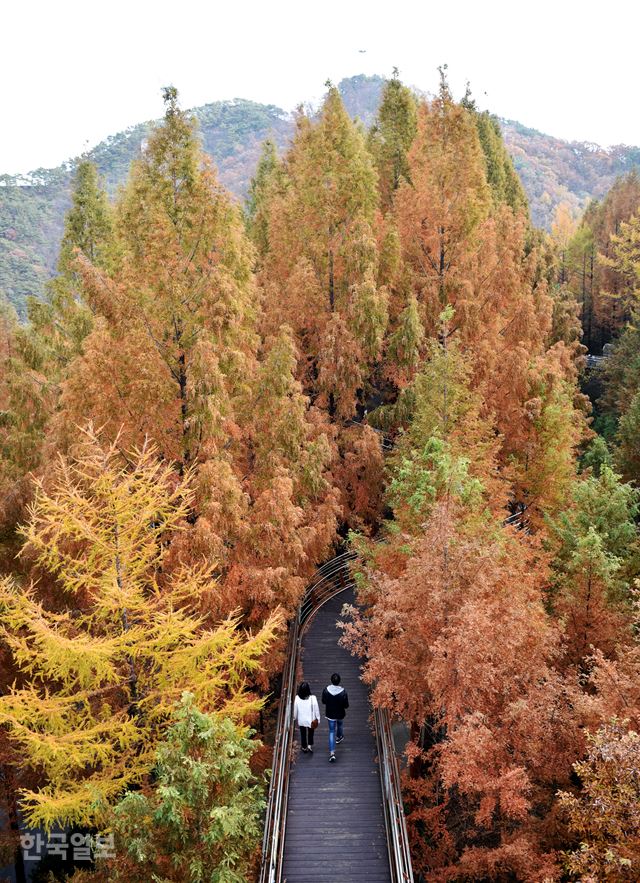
{"x":32,"y":208}
{"x":555,"y":171}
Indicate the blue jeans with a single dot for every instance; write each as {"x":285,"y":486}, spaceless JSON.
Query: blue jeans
{"x":333,"y":726}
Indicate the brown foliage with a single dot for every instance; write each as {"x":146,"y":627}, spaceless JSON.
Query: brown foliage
{"x":459,"y":642}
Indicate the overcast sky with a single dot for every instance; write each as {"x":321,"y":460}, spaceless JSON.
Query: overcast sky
{"x":74,"y":72}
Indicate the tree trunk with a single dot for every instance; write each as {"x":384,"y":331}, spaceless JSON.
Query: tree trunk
{"x":11,"y":788}
{"x":182,"y":383}
{"x":441,"y":271}
{"x":589,"y":326}
{"x":415,"y":765}
{"x":332,"y":292}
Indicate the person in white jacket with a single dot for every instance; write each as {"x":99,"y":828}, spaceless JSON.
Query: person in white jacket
{"x":305,"y":712}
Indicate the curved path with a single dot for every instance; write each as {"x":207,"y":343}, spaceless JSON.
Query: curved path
{"x":335,"y":827}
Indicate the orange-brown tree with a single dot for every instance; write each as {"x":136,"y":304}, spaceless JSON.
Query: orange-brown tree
{"x":440,"y":210}
{"x":464,"y":243}
{"x":175,"y":356}
{"x":320,"y":270}
{"x":458,"y":642}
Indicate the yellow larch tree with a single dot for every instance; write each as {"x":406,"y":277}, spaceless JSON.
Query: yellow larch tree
{"x":101,"y":667}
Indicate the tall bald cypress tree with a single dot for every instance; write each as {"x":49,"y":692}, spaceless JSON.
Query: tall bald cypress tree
{"x":503,"y":179}
{"x":88,"y":224}
{"x":176,"y":357}
{"x":268,"y":178}
{"x":321,"y":267}
{"x":392,"y":135}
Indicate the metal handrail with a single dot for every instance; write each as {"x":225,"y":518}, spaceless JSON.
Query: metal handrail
{"x":394,"y":818}
{"x":326,"y":588}
{"x":331,"y":579}
{"x":273,"y":837}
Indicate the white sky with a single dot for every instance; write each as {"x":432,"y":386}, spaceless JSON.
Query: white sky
{"x":75,"y":71}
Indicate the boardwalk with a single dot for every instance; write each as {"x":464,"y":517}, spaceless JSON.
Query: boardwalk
{"x":335,"y":827}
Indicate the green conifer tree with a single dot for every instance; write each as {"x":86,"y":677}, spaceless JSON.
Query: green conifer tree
{"x":268,"y":179}
{"x":59,"y":324}
{"x":391,"y":137}
{"x":628,"y":440}
{"x":201,"y":820}
{"x":503,"y":179}
{"x":37,"y":361}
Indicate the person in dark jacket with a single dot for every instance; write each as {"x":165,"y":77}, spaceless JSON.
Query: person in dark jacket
{"x":336,"y":702}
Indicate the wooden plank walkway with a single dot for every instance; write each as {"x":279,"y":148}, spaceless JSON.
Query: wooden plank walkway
{"x":335,"y":823}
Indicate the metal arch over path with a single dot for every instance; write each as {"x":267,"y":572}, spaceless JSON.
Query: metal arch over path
{"x":343,"y":820}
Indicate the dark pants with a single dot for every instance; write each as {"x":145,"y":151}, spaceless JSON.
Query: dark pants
{"x":306,"y":736}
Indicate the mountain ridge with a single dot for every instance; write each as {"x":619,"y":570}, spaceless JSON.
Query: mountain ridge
{"x":32,"y":206}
